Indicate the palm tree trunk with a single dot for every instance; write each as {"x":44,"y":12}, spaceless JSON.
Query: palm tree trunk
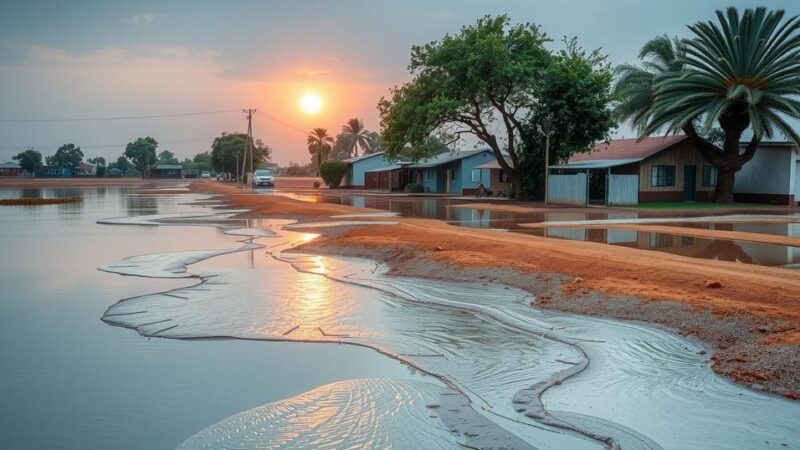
{"x":726,"y":180}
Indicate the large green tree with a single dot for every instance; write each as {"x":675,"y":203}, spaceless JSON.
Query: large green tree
{"x":68,"y":155}
{"x":574,"y":107}
{"x":319,"y":145}
{"x":742,"y":72}
{"x":29,"y":160}
{"x":142,"y":153}
{"x":480,"y":82}
{"x":228,"y":150}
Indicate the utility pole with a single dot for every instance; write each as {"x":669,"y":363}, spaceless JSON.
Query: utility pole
{"x":547,"y":126}
{"x":249,"y":113}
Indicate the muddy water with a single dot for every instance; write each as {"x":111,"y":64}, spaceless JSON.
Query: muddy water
{"x":502,"y":372}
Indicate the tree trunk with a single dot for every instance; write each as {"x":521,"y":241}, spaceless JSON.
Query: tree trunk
{"x":726,"y":178}
{"x":516,"y":184}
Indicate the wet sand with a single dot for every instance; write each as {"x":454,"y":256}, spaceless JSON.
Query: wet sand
{"x":752,"y":320}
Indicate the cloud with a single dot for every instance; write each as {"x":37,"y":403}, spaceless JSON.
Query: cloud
{"x":145,"y":19}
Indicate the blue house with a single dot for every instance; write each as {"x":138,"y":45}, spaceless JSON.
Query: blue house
{"x":358,"y":167}
{"x":452,"y":173}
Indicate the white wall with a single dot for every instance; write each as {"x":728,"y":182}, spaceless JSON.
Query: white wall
{"x":771,"y":171}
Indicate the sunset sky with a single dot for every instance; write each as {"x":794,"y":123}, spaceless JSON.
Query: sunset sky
{"x":87,"y":59}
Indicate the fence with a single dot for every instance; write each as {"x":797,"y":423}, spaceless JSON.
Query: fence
{"x":623,"y":189}
{"x":568,"y":189}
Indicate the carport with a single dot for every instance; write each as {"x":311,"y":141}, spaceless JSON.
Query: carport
{"x":606,"y":182}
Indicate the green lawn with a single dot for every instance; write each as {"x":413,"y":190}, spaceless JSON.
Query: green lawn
{"x":696,"y":205}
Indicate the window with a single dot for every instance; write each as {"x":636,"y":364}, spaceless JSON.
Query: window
{"x":709,"y":176}
{"x":476,"y":175}
{"x":662,"y":176}
{"x":503,"y":176}
{"x":428,"y":175}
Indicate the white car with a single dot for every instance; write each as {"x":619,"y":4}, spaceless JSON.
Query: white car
{"x":205,"y":174}
{"x":264,"y":178}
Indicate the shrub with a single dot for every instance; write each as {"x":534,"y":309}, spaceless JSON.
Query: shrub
{"x":415,"y":188}
{"x":316,"y":184}
{"x":332,"y":172}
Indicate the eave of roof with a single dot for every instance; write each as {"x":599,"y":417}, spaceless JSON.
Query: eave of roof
{"x":598,"y":164}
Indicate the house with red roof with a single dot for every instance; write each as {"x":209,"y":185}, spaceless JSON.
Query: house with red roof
{"x":628,"y":171}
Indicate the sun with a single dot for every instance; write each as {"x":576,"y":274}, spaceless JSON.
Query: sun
{"x":311,"y":103}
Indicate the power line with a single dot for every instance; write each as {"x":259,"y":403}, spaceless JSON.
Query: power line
{"x":94,"y":119}
{"x":101,"y":146}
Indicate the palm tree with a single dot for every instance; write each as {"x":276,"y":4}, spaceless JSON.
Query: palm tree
{"x":356,"y":135}
{"x":659,"y":56}
{"x":743,"y":73}
{"x":319,"y":145}
{"x":373,"y":144}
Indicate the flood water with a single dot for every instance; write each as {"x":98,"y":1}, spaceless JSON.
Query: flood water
{"x":442,"y":208}
{"x":70,"y":381}
{"x":499,"y":373}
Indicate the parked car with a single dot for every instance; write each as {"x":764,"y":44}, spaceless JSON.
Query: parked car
{"x":264,"y":177}
{"x":205,"y":174}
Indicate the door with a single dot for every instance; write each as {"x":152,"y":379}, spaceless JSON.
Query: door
{"x":447,"y":175}
{"x":689,"y":183}
{"x":797,"y":181}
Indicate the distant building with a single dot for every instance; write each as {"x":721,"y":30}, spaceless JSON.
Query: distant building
{"x":54,"y":172}
{"x":10,"y":169}
{"x":114,"y":172}
{"x":85,"y":169}
{"x":165,"y":171}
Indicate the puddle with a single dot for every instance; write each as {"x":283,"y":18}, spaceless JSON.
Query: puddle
{"x":694,"y":247}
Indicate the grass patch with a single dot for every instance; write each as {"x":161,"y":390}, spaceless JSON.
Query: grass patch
{"x":38,"y":201}
{"x":696,"y":205}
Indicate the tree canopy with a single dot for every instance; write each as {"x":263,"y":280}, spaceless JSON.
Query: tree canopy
{"x":142,"y":153}
{"x":574,"y":100}
{"x":68,"y":155}
{"x":228,"y":148}
{"x":29,"y":160}
{"x":488,"y":82}
{"x":167,"y":157}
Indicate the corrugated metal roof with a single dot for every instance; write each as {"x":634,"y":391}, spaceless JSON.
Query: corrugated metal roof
{"x":169,"y":166}
{"x":493,"y":164}
{"x":599,"y":164}
{"x":444,"y":158}
{"x":10,"y":165}
{"x":619,"y":149}
{"x":384,"y":169}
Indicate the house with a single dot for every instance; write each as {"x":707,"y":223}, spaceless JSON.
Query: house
{"x":772,"y":176}
{"x":627,"y":171}
{"x":10,"y":169}
{"x":53,"y":172}
{"x":357,"y":168}
{"x":114,"y":172}
{"x":165,"y":171}
{"x":452,"y":173}
{"x":85,"y":170}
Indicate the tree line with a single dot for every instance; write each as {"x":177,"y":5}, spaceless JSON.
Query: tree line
{"x":226,"y":155}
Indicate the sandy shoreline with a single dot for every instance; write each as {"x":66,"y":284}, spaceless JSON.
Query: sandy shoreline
{"x":752,"y":321}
